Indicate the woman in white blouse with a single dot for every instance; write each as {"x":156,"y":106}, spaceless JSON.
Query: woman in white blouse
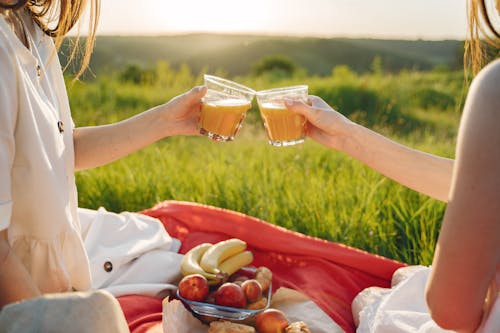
{"x":41,"y":249}
{"x":463,"y":285}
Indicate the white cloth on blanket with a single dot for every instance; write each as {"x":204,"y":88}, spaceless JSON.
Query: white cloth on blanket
{"x":403,"y":308}
{"x":77,"y":312}
{"x":130,"y":253}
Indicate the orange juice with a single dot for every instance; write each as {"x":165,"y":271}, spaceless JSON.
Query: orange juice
{"x":282,"y":125}
{"x":222,"y":119}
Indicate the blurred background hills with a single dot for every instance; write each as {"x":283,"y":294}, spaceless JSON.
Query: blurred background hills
{"x":239,"y":54}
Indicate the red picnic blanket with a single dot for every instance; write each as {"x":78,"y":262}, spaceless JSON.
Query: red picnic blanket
{"x":330,"y":274}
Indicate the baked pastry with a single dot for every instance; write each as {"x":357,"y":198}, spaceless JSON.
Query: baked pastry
{"x":229,"y":327}
{"x":297,"y":327}
{"x":260,"y":304}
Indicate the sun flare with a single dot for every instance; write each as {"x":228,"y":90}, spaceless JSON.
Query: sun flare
{"x":294,"y":17}
{"x":165,"y":16}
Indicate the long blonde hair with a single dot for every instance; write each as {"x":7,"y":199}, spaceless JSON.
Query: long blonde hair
{"x":482,"y":34}
{"x":57,"y":17}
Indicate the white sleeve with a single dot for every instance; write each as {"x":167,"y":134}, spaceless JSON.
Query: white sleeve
{"x":8,"y":116}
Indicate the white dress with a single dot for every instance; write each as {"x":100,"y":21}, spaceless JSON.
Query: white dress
{"x":62,"y":246}
{"x":403,"y":308}
{"x":38,"y":200}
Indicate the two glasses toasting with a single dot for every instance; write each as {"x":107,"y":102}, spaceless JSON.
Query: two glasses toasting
{"x":226,"y":102}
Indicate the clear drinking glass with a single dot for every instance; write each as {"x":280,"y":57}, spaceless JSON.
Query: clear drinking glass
{"x":283,"y":127}
{"x":224,"y":108}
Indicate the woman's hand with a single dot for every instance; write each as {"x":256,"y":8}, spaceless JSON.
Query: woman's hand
{"x":324,"y":124}
{"x":99,"y":145}
{"x":417,"y":170}
{"x":181,"y":114}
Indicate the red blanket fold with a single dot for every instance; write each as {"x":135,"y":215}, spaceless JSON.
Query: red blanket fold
{"x":329,"y":273}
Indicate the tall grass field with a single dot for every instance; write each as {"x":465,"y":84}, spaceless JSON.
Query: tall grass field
{"x":307,"y":188}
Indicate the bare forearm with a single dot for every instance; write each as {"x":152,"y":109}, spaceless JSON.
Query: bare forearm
{"x":466,"y":262}
{"x":95,"y":146}
{"x":99,"y":145}
{"x":422,"y":172}
{"x":15,"y":282}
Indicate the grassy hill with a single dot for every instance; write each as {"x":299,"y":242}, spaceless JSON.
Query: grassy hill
{"x":236,"y":54}
{"x":306,"y":188}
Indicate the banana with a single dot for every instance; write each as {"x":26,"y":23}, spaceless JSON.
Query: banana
{"x":218,"y":252}
{"x":190,"y":263}
{"x":233,"y":263}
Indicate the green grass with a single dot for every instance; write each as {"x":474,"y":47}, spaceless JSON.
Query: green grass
{"x":307,"y":188}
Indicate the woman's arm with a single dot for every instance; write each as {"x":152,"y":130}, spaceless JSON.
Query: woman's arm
{"x":468,"y":250}
{"x":417,"y":170}
{"x":15,"y":282}
{"x":99,"y":145}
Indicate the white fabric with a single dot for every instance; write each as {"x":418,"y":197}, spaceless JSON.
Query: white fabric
{"x":298,"y":307}
{"x":492,"y":323}
{"x":403,"y":307}
{"x":78,"y":312}
{"x":142,"y":255}
{"x":38,"y":198}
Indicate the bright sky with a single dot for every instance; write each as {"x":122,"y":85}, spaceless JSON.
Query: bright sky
{"x":426,"y":19}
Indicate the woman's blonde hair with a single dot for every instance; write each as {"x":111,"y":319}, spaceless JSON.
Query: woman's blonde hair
{"x":483,"y":36}
{"x":57,"y":17}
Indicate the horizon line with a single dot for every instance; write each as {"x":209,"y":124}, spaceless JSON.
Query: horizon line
{"x":273,"y":34}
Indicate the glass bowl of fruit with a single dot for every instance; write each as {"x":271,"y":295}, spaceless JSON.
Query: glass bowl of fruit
{"x":219,"y":283}
{"x":224,"y":312}
{"x":240,"y":296}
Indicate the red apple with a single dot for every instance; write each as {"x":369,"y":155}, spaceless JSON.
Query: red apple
{"x":230,"y":294}
{"x":194,"y":287}
{"x":252,"y":290}
{"x":271,"y":321}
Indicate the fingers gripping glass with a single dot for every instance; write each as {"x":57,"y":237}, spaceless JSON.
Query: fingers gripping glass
{"x":283,"y":127}
{"x":224,"y":108}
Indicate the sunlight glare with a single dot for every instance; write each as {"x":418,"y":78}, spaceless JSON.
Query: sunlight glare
{"x":211,"y":16}
{"x":383,"y":19}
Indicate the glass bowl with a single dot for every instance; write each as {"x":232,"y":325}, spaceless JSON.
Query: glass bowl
{"x":223,"y":312}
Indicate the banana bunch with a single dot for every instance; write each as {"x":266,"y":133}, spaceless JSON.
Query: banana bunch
{"x":216,"y":261}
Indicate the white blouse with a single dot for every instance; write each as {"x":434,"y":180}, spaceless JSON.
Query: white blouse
{"x":38,"y":199}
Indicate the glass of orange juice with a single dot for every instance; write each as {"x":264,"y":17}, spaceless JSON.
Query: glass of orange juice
{"x":283,"y":127}
{"x":224,"y":107}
